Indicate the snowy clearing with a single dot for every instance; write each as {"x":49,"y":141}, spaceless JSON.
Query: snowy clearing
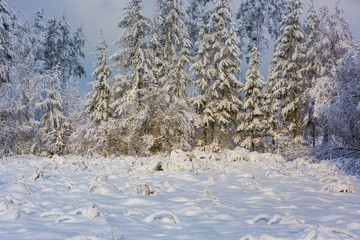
{"x":232,"y":195}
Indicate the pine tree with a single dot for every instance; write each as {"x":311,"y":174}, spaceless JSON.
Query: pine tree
{"x":99,"y":102}
{"x":270,"y":107}
{"x":219,"y":85}
{"x":287,"y":65}
{"x":252,"y":124}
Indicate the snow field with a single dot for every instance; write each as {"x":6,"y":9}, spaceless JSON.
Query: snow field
{"x":197,"y":195}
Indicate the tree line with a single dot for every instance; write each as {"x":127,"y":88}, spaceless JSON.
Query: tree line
{"x":174,"y":81}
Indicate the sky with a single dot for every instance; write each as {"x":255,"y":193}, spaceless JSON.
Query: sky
{"x":103,"y":15}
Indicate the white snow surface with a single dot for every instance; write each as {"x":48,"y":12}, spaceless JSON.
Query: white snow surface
{"x":197,"y":195}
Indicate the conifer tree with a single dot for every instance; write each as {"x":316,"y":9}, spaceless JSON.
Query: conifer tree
{"x":197,"y":15}
{"x":286,"y":67}
{"x":251,"y":23}
{"x":219,"y":85}
{"x":38,"y":36}
{"x":132,"y":57}
{"x":5,"y":42}
{"x":55,"y":127}
{"x":252,"y":118}
{"x":99,"y":102}
{"x":270,"y":107}
{"x":312,"y":69}
{"x":171,"y":49}
{"x":149,"y":119}
{"x":199,"y":69}
{"x":175,"y":45}
{"x":255,"y":18}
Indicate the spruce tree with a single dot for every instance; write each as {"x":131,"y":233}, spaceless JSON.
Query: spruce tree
{"x":252,"y":118}
{"x":131,"y":87}
{"x":5,"y":42}
{"x":219,"y":85}
{"x":99,"y":102}
{"x":287,"y":65}
{"x":55,"y":128}
{"x":197,"y":13}
{"x":132,"y":58}
{"x":199,"y":69}
{"x":312,"y":69}
{"x":38,"y":36}
{"x":151,"y":119}
{"x":257,"y":17}
{"x":251,"y":23}
{"x":171,"y":49}
{"x":175,"y":47}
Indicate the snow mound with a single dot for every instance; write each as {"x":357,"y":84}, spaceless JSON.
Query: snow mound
{"x":340,"y":186}
{"x":146,"y":189}
{"x":324,"y":232}
{"x":91,"y":211}
{"x":275,"y":219}
{"x":163,"y":216}
{"x":103,"y":189}
{"x":84,"y":237}
{"x":179,"y":161}
{"x":53,"y":213}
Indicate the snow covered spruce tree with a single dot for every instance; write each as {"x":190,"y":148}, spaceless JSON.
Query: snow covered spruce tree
{"x":175,"y":45}
{"x":55,"y":128}
{"x":216,"y":66}
{"x":6,"y":36}
{"x":64,"y":50}
{"x":7,"y":87}
{"x":38,"y":35}
{"x":276,"y":10}
{"x":134,"y":97}
{"x":99,"y":100}
{"x":91,"y":135}
{"x":285,"y":80}
{"x":196,"y":14}
{"x":252,"y":118}
{"x":171,"y":49}
{"x":312,"y":69}
{"x":251,"y":20}
{"x":254,"y":18}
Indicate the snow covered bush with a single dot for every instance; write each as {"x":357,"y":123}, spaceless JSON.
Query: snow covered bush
{"x":344,"y":112}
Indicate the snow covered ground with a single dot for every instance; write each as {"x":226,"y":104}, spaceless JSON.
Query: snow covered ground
{"x":232,"y":195}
